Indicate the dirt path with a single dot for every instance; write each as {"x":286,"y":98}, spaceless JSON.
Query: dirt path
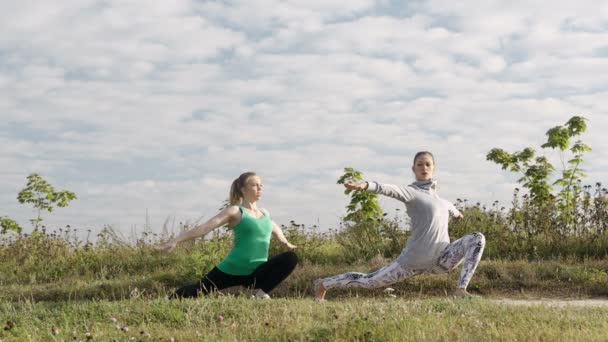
{"x":554,"y":302}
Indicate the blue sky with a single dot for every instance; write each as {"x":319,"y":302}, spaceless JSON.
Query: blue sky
{"x":158,"y":105}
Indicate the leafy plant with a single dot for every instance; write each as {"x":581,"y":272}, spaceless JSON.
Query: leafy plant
{"x":363,"y":205}
{"x":366,"y":232}
{"x":43,"y":196}
{"x":6,"y":224}
{"x":559,"y":138}
{"x":536,"y":171}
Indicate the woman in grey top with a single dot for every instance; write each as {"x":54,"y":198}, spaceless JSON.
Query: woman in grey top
{"x":428,"y":250}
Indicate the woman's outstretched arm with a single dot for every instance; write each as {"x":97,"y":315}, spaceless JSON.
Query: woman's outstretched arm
{"x":278,"y":233}
{"x":400,"y":193}
{"x":455,"y":212}
{"x":228,"y":215}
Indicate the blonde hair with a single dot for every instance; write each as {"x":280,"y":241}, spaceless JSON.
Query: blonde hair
{"x":236,"y":195}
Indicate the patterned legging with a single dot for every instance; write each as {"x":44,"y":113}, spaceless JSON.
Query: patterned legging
{"x":467,"y":249}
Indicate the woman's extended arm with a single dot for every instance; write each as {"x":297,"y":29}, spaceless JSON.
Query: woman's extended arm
{"x":278,"y":233}
{"x":225,"y":216}
{"x":402,"y":194}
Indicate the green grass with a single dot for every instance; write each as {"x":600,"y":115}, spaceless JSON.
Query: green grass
{"x":232,"y":318}
{"x":514,"y":279}
{"x":46,"y":286}
{"x":77,"y":305}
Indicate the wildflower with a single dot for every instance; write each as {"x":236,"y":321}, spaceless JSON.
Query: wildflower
{"x":220,"y":318}
{"x":113,"y":319}
{"x":55,"y":331}
{"x":125,"y":329}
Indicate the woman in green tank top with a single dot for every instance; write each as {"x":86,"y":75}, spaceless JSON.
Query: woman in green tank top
{"x":247,"y":264}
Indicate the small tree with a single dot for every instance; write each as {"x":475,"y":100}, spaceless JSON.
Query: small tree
{"x":42,"y":195}
{"x":536,"y":175}
{"x":363,"y":205}
{"x":6,"y":224}
{"x":367,"y":232}
{"x":559,"y":138}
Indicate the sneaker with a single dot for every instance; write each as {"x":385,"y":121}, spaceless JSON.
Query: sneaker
{"x":261,"y":295}
{"x":462,"y":293}
{"x":172,"y":295}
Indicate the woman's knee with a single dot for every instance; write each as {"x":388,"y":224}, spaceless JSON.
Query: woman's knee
{"x":480,"y":239}
{"x":291,"y":258}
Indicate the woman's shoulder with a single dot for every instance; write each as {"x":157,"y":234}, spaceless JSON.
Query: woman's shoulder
{"x":233,"y":210}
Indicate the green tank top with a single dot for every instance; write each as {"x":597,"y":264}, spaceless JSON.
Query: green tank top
{"x":250,"y":248}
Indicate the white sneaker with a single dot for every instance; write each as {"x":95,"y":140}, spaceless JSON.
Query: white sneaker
{"x":261,"y":295}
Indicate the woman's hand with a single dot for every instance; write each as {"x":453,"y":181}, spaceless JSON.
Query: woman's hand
{"x":356,"y":186}
{"x":168,"y":246}
{"x":278,"y":233}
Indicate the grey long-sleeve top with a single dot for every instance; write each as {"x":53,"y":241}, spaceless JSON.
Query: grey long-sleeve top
{"x":429,"y":217}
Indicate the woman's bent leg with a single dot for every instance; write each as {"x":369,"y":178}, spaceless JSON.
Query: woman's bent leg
{"x":467,"y":250}
{"x":387,"y":275}
{"x":271,"y":273}
{"x":215,"y":280}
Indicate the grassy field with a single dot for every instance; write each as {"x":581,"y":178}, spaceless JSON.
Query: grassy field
{"x":238,"y":318}
{"x":132,"y":306}
{"x":513,"y":279}
{"x":51,"y":291}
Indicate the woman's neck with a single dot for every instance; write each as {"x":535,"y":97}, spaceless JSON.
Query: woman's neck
{"x":250,"y":205}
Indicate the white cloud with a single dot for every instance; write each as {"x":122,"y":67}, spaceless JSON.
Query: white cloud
{"x":160,"y":105}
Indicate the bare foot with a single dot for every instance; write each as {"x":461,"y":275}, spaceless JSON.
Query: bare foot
{"x":462,"y":293}
{"x":319,"y":290}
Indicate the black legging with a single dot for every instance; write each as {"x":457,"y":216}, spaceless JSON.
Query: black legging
{"x":266,"y":277}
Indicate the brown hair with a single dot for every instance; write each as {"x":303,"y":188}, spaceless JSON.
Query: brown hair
{"x":236,"y":195}
{"x":422,"y":153}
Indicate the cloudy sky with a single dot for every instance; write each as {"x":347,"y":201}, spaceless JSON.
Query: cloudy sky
{"x":156,"y":106}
